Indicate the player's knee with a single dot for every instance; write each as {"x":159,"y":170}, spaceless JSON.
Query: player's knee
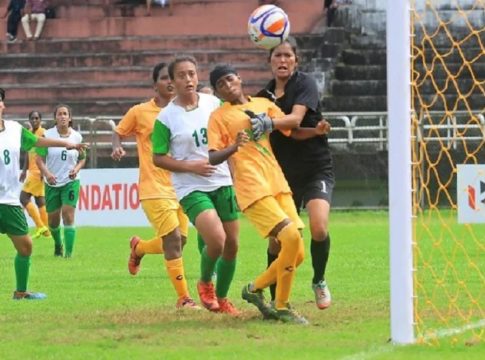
{"x":39,"y":201}
{"x":290,"y":238}
{"x":183,"y":240}
{"x":25,"y":247}
{"x":24,"y":199}
{"x":319,"y":233}
{"x":274,"y":246}
{"x":231,"y":248}
{"x":172,"y":246}
{"x":215,"y":247}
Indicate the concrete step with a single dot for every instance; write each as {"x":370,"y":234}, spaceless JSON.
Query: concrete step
{"x":451,"y":55}
{"x":132,"y":43}
{"x":354,"y":103}
{"x":378,"y":103}
{"x":358,"y":72}
{"x":462,"y":38}
{"x":145,"y":58}
{"x":438,"y":71}
{"x":25,"y":77}
{"x":378,"y":56}
{"x":426,"y":87}
{"x":358,"y":87}
{"x":364,"y":56}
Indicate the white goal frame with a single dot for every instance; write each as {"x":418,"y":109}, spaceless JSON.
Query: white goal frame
{"x":398,"y":34}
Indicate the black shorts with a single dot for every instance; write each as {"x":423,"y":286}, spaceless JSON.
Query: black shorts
{"x":320,"y":187}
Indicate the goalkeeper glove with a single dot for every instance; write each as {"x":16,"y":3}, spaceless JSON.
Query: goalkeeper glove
{"x":260,"y":124}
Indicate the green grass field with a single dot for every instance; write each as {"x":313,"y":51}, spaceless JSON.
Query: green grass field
{"x":96,"y":310}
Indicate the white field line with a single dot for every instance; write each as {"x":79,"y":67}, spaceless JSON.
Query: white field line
{"x":380,"y":350}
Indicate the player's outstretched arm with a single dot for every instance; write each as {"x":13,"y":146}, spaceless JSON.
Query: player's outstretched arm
{"x":48,"y":142}
{"x":303,"y":133}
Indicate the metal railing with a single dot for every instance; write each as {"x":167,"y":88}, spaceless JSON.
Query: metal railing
{"x":348,"y":130}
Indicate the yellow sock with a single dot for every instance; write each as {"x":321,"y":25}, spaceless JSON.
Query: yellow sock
{"x":43,"y":215}
{"x":267,"y":278}
{"x":291,"y":254}
{"x":175,"y":269}
{"x":153,"y":246}
{"x":34,"y":214}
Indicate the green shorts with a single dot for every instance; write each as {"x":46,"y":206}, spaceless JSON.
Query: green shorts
{"x":12,"y":220}
{"x":223,"y":200}
{"x":56,"y":197}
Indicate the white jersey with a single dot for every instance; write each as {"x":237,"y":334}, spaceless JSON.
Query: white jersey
{"x":13,"y":139}
{"x":59,"y":160}
{"x":187,"y":132}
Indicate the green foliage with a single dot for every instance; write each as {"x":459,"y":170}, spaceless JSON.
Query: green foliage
{"x":96,"y":310}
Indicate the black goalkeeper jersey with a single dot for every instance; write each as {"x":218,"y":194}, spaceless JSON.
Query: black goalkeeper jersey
{"x":301,"y":160}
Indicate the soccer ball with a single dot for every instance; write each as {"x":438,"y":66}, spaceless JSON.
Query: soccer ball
{"x":268,"y":26}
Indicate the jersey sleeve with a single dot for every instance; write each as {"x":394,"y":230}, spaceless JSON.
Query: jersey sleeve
{"x":307,"y":93}
{"x":216,"y":134}
{"x":41,"y":151}
{"x":27,"y":140}
{"x":160,"y":138}
{"x":127,"y":125}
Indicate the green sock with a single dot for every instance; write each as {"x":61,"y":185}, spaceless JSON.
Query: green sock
{"x":225,"y":273}
{"x":56,"y":235}
{"x":22,"y":266}
{"x":69,"y":237}
{"x":200,"y":243}
{"x":206,"y":266}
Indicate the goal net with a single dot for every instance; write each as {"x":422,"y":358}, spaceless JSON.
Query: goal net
{"x":448,"y":129}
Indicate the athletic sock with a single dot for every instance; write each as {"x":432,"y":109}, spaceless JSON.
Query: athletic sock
{"x":272,"y":287}
{"x":291,"y":254}
{"x":206,"y":266}
{"x":225,"y":270}
{"x":22,"y":267}
{"x":34,"y":214}
{"x":43,"y":215}
{"x":153,"y":246}
{"x":320,"y":251}
{"x":200,"y":243}
{"x":175,"y":270}
{"x":56,"y":235}
{"x":69,"y":238}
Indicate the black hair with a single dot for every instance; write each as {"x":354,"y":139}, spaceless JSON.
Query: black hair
{"x":156,"y":71}
{"x":33,"y":112}
{"x":2,"y":94}
{"x":219,"y":71}
{"x":292,"y":42}
{"x":178,"y":60}
{"x":69,"y":110}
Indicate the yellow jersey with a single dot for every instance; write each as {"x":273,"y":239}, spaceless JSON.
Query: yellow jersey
{"x":154,"y":182}
{"x":256,"y":173}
